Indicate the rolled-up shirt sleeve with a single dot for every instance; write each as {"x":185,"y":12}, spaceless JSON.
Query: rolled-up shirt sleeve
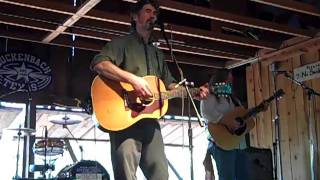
{"x":112,"y":51}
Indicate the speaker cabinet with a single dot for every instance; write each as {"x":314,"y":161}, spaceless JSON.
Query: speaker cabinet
{"x":257,"y":163}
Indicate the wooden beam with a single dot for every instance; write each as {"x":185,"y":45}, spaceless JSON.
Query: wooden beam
{"x":105,"y":36}
{"x":44,"y":5}
{"x":125,"y":20}
{"x":284,"y":53}
{"x":186,"y":31}
{"x":202,"y":52}
{"x":197,"y":60}
{"x":231,"y":18}
{"x":243,"y":52}
{"x":83,"y":44}
{"x":291,"y":50}
{"x":291,"y":5}
{"x":83,"y":9}
{"x":209,"y":35}
{"x":26,"y":23}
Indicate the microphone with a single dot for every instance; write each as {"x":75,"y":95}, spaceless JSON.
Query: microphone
{"x":181,"y":82}
{"x":160,"y":23}
{"x":185,"y":82}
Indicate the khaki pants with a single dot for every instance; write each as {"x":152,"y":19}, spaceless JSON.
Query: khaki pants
{"x":140,"y":144}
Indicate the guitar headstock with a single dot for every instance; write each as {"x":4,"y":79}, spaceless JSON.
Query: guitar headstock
{"x":221,"y":89}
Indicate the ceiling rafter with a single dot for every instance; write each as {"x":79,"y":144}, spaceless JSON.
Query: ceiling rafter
{"x":27,"y":23}
{"x":187,"y":38}
{"x":44,"y":5}
{"x":83,"y":9}
{"x":231,"y":18}
{"x":292,"y":6}
{"x":186,"y":31}
{"x":209,"y":35}
{"x":125,"y":20}
{"x":302,"y":46}
{"x":85,"y":45}
{"x":106,"y":37}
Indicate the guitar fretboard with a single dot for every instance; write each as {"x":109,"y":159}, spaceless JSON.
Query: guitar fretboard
{"x":180,"y":92}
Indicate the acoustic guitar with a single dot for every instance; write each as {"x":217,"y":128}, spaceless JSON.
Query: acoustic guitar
{"x":227,"y":139}
{"x":117,"y":107}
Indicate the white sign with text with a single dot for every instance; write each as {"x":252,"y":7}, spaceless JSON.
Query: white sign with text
{"x":307,"y":72}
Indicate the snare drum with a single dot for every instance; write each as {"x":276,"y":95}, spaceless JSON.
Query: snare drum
{"x":84,"y":170}
{"x":54,"y":147}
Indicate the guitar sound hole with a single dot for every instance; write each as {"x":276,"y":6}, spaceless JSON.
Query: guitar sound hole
{"x":146,"y":101}
{"x":243,"y":127}
{"x":241,"y":130}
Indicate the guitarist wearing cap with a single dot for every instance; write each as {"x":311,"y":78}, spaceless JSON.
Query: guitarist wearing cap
{"x":213,"y":110}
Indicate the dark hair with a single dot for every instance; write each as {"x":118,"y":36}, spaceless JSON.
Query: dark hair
{"x":220,"y":75}
{"x":136,"y":7}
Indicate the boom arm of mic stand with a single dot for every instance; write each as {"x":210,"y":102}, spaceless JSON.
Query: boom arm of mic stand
{"x":308,"y":89}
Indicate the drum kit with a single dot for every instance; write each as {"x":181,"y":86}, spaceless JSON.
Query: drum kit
{"x":50,"y":149}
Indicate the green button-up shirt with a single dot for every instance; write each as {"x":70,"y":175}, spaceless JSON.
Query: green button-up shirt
{"x":130,"y":53}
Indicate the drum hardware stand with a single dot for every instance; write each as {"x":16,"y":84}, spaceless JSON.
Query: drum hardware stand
{"x":312,"y":132}
{"x":45,"y":167}
{"x":80,"y":146}
{"x":174,"y":170}
{"x":65,"y":121}
{"x":18,"y":156}
{"x":185,"y":83}
{"x":27,"y":132}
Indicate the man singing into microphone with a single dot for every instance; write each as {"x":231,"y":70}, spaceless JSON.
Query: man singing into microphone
{"x":128,"y":59}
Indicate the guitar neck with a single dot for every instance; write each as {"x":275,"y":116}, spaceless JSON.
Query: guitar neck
{"x":261,"y":106}
{"x":179,"y":92}
{"x":250,"y":113}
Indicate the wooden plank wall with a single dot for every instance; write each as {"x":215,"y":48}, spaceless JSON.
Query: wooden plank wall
{"x":293,"y":110}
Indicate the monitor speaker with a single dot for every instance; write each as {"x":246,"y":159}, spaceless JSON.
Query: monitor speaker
{"x":257,"y":163}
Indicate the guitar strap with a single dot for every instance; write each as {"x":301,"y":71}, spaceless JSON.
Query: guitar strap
{"x":147,"y":59}
{"x":235,"y":101}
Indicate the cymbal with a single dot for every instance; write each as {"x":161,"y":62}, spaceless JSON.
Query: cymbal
{"x":26,"y":131}
{"x":65,"y":119}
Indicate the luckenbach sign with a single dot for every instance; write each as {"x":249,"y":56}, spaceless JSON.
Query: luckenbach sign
{"x":23,"y":71}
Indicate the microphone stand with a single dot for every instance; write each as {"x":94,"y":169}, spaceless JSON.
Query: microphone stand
{"x":276,"y":143}
{"x":313,"y":142}
{"x":189,"y":99}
